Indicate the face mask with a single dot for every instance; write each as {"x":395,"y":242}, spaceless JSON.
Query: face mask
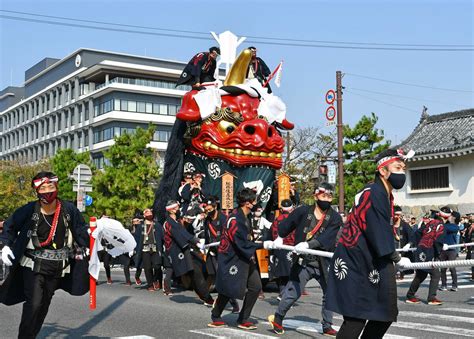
{"x":257,"y":214}
{"x":323,"y":205}
{"x":47,"y":198}
{"x":397,"y":180}
{"x":254,"y":208}
{"x":178,"y":214}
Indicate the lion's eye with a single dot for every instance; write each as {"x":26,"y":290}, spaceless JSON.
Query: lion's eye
{"x":226,"y":127}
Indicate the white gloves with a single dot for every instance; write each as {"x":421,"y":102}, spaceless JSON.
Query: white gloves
{"x":277,"y":242}
{"x":268,"y":244}
{"x":301,"y":246}
{"x":6,"y":255}
{"x":403,"y":262}
{"x":406,"y":247}
{"x":201,"y":246}
{"x":445,"y":247}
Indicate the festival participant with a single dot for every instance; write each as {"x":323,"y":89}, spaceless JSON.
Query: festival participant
{"x":258,"y":69}
{"x":281,"y":260}
{"x":184,"y":191}
{"x":200,"y":69}
{"x":294,"y":194}
{"x":237,"y":274}
{"x":136,"y":222}
{"x":404,"y":236}
{"x":361,"y":283}
{"x":43,"y":239}
{"x":214,"y":222}
{"x":315,"y":227}
{"x":149,"y":238}
{"x":182,"y":250}
{"x":451,"y":230}
{"x":468,"y":238}
{"x":429,"y":245}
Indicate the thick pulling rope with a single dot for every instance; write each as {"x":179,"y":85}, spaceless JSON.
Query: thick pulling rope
{"x":307,"y":251}
{"x":438,"y":264}
{"x":413,"y":249}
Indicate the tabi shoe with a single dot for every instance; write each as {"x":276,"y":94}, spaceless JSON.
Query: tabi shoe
{"x":443,"y":288}
{"x":217,"y":322}
{"x":109,"y":281}
{"x":138,"y":282}
{"x":209,"y":303}
{"x":435,"y":302}
{"x":277,"y":328}
{"x":412,"y":300}
{"x":247,"y":325}
{"x":329,"y":332}
{"x":128,"y":283}
{"x":150,"y":289}
{"x":168,"y":293}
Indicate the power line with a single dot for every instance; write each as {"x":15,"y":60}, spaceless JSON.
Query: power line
{"x":249,"y":41}
{"x":409,"y":84}
{"x":248,"y":36}
{"x":397,"y":96}
{"x":381,"y":101}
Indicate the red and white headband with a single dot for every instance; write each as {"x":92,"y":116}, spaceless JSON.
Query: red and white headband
{"x":172,"y":206}
{"x":321,"y":190}
{"x":45,"y":180}
{"x":391,"y":158}
{"x":443,"y":214}
{"x":287,"y":209}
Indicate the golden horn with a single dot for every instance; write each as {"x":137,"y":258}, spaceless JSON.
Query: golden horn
{"x":238,"y":71}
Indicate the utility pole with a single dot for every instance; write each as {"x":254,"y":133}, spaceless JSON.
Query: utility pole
{"x":340,"y":155}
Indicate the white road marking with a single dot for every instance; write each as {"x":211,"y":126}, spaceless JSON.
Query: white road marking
{"x":469,"y":320}
{"x":460,"y":310}
{"x":308,"y":326}
{"x":225,"y":333}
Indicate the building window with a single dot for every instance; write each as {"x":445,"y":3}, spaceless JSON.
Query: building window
{"x":430,"y":178}
{"x":141,"y":107}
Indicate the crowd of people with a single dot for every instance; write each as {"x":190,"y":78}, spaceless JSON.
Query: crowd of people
{"x":217,"y":253}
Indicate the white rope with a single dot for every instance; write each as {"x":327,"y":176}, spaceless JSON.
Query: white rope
{"x":413,"y":249}
{"x":438,"y":264}
{"x":212,"y":244}
{"x":307,"y":251}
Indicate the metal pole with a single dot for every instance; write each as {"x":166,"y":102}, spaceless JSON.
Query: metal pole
{"x":340,"y":155}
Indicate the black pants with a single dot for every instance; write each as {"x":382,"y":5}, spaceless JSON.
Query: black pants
{"x":199,"y":283}
{"x":254,"y":286}
{"x":352,"y":327}
{"x":39,"y":290}
{"x":107,"y":261}
{"x":153,"y":272}
{"x":420,"y":276}
{"x":470,"y":255}
{"x":448,"y":255}
{"x":167,"y":279}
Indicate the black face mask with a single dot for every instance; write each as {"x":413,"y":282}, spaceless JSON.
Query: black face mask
{"x":397,"y":180}
{"x":254,"y":208}
{"x":323,"y":205}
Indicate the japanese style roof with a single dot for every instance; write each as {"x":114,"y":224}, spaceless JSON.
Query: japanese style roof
{"x":443,"y":135}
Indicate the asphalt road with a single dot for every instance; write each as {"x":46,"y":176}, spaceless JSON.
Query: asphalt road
{"x":124,"y":311}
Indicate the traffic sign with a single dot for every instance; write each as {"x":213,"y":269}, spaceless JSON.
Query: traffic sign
{"x":82,"y":174}
{"x":84,"y":187}
{"x":330,"y":113}
{"x":88,"y":200}
{"x":330,"y":97}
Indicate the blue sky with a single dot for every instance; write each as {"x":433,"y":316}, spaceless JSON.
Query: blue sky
{"x":308,"y":72}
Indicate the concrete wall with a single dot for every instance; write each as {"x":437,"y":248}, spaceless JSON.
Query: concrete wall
{"x":460,"y":195}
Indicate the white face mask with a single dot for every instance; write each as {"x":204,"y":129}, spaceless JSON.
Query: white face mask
{"x":258,"y":214}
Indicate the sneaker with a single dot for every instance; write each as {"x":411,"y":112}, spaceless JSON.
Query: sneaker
{"x":247,"y":326}
{"x":209,"y":303}
{"x":435,"y":302}
{"x":443,"y":288}
{"x":138,"y":282}
{"x":156,"y":286}
{"x":454,"y":289}
{"x":413,"y":300}
{"x":277,"y":328}
{"x":109,"y":281}
{"x":168,"y":293}
{"x":329,"y":332}
{"x":217,"y":323}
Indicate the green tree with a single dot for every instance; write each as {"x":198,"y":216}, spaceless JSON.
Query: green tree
{"x":15,"y":185}
{"x":361,"y":144}
{"x":129,"y":176}
{"x":63,"y":164}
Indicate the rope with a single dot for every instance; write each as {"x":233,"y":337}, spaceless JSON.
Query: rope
{"x":308,"y":251}
{"x":438,"y":264}
{"x":413,"y":249}
{"x":212,"y":244}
